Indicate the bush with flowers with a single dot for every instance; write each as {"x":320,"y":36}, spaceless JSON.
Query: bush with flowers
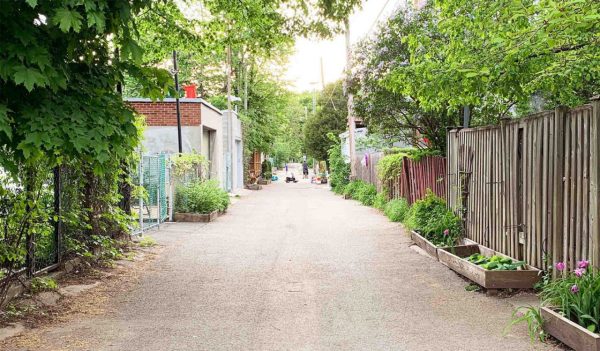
{"x":575,"y":295}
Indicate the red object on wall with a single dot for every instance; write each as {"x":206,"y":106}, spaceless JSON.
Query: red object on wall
{"x":190,"y":91}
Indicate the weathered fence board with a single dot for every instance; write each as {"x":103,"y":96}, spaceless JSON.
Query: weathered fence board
{"x":529,"y":187}
{"x":413,"y":180}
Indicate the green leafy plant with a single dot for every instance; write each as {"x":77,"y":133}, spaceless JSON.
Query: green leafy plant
{"x":39,"y":284}
{"x":532,"y":316}
{"x":340,"y":170}
{"x":266,"y":169}
{"x":366,"y":194}
{"x":201,"y":197}
{"x":396,"y":210}
{"x":190,"y":166}
{"x":430,"y":217}
{"x":495,"y":262}
{"x":380,"y":201}
{"x":576,"y":295}
{"x":147,"y":241}
{"x":352,"y":188}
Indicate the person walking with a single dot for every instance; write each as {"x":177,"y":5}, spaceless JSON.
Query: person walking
{"x":305,"y":170}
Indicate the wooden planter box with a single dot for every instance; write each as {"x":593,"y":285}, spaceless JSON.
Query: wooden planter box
{"x":569,"y":332}
{"x":264,"y":181}
{"x":424,"y":244}
{"x":519,"y":279}
{"x":430,"y":247}
{"x":253,"y":187}
{"x":346,"y":197}
{"x":196,"y":217}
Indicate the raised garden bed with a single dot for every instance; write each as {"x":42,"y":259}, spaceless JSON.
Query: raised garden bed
{"x":429,"y":247}
{"x":347,"y":197}
{"x":569,"y":332}
{"x":196,"y":217}
{"x":264,"y":181}
{"x":253,"y":187}
{"x":454,"y":258}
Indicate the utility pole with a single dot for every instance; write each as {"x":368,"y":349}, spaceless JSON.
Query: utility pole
{"x":176,"y":74}
{"x":351,"y":122}
{"x":228,"y":140}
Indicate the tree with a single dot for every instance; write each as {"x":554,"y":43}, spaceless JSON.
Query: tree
{"x":331,"y":117}
{"x":496,"y":55}
{"x":384,"y":109}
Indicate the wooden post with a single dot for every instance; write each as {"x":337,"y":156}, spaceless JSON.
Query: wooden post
{"x":557,"y":186}
{"x":594,"y":184}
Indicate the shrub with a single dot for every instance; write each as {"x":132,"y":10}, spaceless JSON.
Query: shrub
{"x":351,"y":188}
{"x":339,"y":169}
{"x":201,"y":197}
{"x":267,"y":169}
{"x":430,"y":217}
{"x":396,"y":209}
{"x":366,"y":194}
{"x":380,"y":201}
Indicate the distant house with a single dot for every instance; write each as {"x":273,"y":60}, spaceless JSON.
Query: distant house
{"x":204,"y":129}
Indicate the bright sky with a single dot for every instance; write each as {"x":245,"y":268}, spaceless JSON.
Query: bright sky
{"x":304,"y":69}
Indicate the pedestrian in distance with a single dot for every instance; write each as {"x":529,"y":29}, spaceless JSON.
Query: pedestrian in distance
{"x":304,"y":170}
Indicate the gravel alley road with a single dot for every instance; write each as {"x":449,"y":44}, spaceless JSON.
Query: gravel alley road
{"x":293,"y":267}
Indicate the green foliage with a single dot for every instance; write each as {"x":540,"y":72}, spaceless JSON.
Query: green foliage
{"x":396,"y":209}
{"x":495,"y":262}
{"x":39,"y":284}
{"x":430,"y":218}
{"x":576,"y":295}
{"x":380,"y":201}
{"x":352,"y":188}
{"x":390,"y":165}
{"x":533,"y":317}
{"x":266,"y":169}
{"x":147,"y":241}
{"x":201,"y":197}
{"x":331,"y":117}
{"x":366,"y":194}
{"x":339,"y":169}
{"x":190,"y":166}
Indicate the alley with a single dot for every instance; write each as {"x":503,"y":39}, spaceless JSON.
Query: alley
{"x":294,"y":267}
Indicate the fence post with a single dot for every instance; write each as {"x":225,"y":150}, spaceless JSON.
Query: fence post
{"x":558,"y":184}
{"x":158,"y":205}
{"x":141,"y":197}
{"x":595,"y":183}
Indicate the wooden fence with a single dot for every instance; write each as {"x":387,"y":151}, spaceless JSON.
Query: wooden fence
{"x":413,"y":180}
{"x":529,"y":187}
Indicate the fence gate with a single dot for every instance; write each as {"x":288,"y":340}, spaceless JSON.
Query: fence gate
{"x":151,"y":202}
{"x":529,"y":187}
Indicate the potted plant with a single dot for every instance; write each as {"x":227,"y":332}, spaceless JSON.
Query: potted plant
{"x":200,"y":201}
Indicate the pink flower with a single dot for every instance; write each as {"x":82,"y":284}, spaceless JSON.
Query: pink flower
{"x":575,"y":289}
{"x":583,"y":264}
{"x":447,"y":232}
{"x":579,"y":272}
{"x":560,"y":266}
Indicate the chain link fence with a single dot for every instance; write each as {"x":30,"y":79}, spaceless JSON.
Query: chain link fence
{"x":152,"y":202}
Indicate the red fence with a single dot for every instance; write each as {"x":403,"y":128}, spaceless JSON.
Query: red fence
{"x":414,"y":178}
{"x":418,"y":176}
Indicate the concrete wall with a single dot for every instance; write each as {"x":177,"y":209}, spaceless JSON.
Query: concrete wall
{"x":235,"y":165}
{"x":164,"y":139}
{"x":212,"y":124}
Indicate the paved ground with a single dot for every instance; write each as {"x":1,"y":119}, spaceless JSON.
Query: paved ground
{"x":294,"y":267}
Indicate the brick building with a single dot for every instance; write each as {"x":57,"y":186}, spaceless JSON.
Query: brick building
{"x":204,"y":129}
